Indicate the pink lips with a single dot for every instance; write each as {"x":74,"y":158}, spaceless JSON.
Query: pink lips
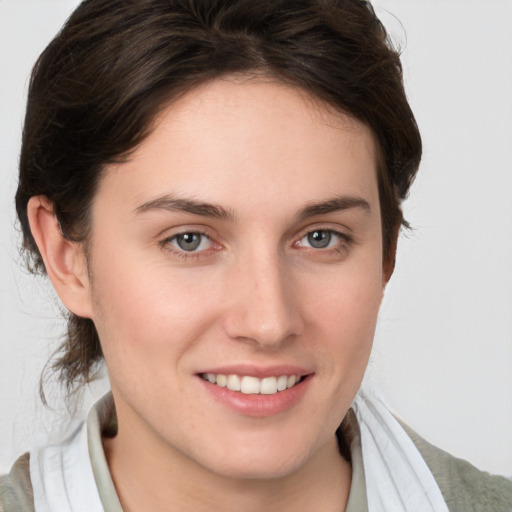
{"x":257,"y":405}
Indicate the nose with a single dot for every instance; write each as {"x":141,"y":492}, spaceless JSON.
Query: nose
{"x":262,"y":305}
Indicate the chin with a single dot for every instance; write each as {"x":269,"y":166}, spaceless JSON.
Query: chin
{"x":261,"y":468}
{"x":263,"y":459}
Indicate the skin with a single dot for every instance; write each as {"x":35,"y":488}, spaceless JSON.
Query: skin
{"x":254,"y":293}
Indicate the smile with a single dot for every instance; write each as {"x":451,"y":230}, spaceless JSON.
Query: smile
{"x":252,"y":385}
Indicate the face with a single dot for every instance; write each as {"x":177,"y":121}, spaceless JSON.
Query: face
{"x":236,"y":276}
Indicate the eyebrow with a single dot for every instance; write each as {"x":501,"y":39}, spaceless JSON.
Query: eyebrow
{"x":173,"y":204}
{"x":335,"y":204}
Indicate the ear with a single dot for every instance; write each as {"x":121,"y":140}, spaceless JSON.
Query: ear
{"x":64,"y":260}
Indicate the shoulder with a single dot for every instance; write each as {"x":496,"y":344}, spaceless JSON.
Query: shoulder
{"x":464,"y":487}
{"x":16,"y":493}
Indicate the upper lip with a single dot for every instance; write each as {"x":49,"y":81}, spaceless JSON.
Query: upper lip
{"x":258,"y":371}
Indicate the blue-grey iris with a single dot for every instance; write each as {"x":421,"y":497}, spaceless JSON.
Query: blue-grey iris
{"x":319,"y":239}
{"x":188,"y":241}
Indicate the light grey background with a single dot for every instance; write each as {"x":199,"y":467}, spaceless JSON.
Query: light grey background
{"x":443,"y":353}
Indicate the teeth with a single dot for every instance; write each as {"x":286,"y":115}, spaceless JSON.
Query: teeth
{"x":222,"y":381}
{"x":252,"y":385}
{"x":233,"y":382}
{"x":282,"y":383}
{"x":292,"y":379}
{"x":268,"y":386}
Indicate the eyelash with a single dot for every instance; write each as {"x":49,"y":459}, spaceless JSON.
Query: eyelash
{"x":341,"y":247}
{"x":167,"y":243}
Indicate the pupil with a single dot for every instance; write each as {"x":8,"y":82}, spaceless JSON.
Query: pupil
{"x":319,"y":239}
{"x":189,"y":241}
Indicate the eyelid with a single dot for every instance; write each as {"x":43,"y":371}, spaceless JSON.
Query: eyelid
{"x":340,"y":249}
{"x":338,"y":230}
{"x":182,"y":229}
{"x":169,"y":235}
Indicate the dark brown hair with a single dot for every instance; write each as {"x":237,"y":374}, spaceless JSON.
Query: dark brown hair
{"x":98,"y":86}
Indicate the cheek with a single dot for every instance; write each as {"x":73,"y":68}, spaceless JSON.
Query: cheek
{"x":343,"y":315}
{"x":146,"y":315}
{"x":349,"y":322}
{"x":347,"y":297}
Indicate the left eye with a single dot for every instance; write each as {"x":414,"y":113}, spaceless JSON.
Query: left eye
{"x":320,"y":239}
{"x":191,"y":242}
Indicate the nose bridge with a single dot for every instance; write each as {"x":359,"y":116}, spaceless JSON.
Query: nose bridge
{"x":263,"y":307}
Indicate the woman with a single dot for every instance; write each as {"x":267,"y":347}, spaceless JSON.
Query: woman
{"x":214,"y":190}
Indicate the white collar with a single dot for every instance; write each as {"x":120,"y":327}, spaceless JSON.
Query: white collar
{"x":397,"y":477}
{"x":62,"y":477}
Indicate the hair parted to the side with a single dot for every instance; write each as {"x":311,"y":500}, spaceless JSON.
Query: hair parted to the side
{"x":98,"y":86}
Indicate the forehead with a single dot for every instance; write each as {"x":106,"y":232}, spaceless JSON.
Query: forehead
{"x":255,"y":106}
{"x":232,"y":139}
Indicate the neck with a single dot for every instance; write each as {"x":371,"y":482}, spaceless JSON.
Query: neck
{"x":151,"y":478}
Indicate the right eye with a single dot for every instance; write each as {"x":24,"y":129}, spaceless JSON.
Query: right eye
{"x":190,"y":242}
{"x":321,"y":239}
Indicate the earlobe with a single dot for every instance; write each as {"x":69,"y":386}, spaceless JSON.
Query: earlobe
{"x":64,"y":260}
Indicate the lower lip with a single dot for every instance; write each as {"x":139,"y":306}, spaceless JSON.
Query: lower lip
{"x":258,"y":405}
